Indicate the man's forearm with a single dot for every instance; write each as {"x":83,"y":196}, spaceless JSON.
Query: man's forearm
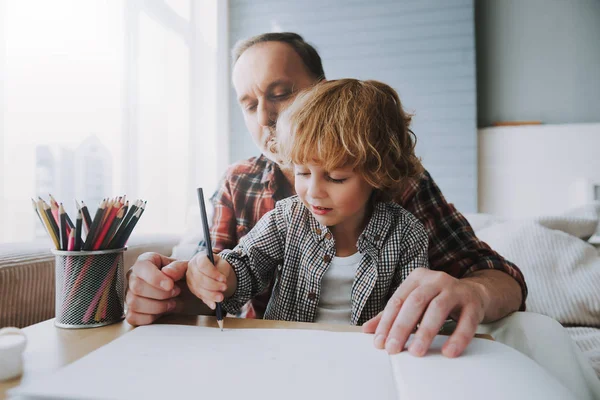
{"x":500,"y":292}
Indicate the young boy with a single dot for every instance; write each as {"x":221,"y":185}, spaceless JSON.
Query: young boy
{"x":339,"y":249}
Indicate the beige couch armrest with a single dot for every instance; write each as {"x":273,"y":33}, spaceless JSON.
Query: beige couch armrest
{"x":27,"y":292}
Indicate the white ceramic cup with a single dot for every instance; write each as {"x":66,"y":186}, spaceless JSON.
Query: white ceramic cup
{"x":12,"y":344}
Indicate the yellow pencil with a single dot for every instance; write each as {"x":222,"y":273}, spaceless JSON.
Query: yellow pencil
{"x":44,"y":217}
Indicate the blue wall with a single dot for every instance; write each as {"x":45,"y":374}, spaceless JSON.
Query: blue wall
{"x":538,"y":60}
{"x":424,"y":49}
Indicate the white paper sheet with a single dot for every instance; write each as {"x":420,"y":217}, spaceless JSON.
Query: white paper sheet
{"x":486,"y":370}
{"x":180,"y":362}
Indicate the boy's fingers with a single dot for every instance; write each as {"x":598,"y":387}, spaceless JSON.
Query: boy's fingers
{"x":208,"y":283}
{"x":208,"y":296}
{"x":207,"y":268}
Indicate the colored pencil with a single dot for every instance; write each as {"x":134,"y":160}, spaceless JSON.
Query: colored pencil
{"x":64,"y":235}
{"x":78,"y":224}
{"x":121,"y":241}
{"x":113,"y":227}
{"x":112,"y":213}
{"x":209,"y":252}
{"x":89,"y":240}
{"x":34,"y":204}
{"x":51,"y":221}
{"x":71,"y":242}
{"x":54,"y":208}
{"x":44,"y":216}
{"x":87,"y":219}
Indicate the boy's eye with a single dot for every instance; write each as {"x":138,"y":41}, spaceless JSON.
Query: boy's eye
{"x":300,"y":173}
{"x":336,"y":180}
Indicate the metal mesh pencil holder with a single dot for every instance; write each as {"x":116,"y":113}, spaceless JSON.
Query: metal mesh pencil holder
{"x":90,"y":288}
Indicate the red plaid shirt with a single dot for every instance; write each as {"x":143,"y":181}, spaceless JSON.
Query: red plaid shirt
{"x":250,"y":189}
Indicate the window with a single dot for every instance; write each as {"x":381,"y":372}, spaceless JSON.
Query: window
{"x":104,"y":98}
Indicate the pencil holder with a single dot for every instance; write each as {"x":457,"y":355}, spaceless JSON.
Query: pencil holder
{"x":90,"y":288}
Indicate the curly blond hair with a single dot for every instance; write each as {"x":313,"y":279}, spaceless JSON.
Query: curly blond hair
{"x":352,"y":123}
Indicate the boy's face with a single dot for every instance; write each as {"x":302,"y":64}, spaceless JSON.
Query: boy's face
{"x":336,"y":198}
{"x":266,"y":78}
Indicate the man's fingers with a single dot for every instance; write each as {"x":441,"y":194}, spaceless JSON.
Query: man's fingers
{"x":464,"y":332}
{"x":155,"y":258}
{"x":148,"y":306}
{"x":436,"y":314}
{"x":141,"y":288}
{"x":407,"y":319}
{"x":176,"y":270}
{"x":149,"y":273}
{"x":371,"y":325}
{"x":391,"y":310}
{"x":137,"y":319}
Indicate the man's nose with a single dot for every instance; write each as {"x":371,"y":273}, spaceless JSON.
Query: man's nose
{"x":267,"y":115}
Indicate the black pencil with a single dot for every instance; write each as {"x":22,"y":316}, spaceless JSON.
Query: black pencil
{"x":64,"y":236}
{"x":78,"y":224}
{"x":209,"y":252}
{"x":87,"y":219}
{"x":113,"y":228}
{"x":122,"y":240}
{"x":95,"y":228}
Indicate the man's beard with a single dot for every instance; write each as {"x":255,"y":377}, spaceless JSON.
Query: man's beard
{"x":271,"y":148}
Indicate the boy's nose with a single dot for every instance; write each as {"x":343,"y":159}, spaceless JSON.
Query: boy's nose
{"x":315,"y":189}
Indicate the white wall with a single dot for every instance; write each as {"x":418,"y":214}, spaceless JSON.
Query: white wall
{"x":532,"y":170}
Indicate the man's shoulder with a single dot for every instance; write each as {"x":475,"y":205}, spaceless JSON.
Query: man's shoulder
{"x":251,"y":167}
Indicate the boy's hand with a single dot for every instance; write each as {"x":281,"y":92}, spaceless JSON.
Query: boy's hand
{"x":207,"y":282}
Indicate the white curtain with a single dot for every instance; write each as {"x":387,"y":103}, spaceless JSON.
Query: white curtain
{"x":104,"y":98}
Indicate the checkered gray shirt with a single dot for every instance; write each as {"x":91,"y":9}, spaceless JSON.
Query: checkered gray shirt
{"x":289,"y":244}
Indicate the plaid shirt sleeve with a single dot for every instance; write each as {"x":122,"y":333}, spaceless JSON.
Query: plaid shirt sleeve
{"x":223,"y":230}
{"x":414,"y":254}
{"x":255,"y":259}
{"x":453,"y":246}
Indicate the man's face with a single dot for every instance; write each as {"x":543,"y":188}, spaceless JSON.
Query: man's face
{"x":266,"y":78}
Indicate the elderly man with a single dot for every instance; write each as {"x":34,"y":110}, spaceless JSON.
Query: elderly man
{"x":468,"y":281}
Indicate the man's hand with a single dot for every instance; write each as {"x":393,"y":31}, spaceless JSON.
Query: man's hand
{"x":152,"y":289}
{"x":429,"y":297}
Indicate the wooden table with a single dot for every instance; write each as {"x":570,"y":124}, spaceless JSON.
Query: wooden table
{"x":49,"y":348}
